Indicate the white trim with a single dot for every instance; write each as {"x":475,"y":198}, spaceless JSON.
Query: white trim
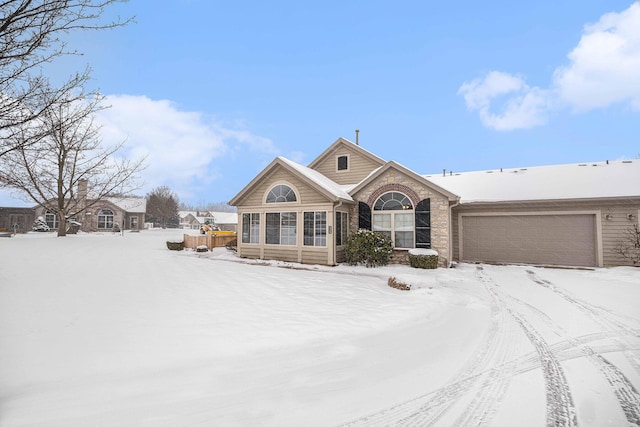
{"x":598,"y":220}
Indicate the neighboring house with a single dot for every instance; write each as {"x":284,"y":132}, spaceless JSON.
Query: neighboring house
{"x":564,"y":215}
{"x":193,"y":220}
{"x":17,"y":220}
{"x":108,"y":214}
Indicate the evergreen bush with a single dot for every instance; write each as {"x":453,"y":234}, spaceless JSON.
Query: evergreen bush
{"x":423,"y":258}
{"x":368,"y":248}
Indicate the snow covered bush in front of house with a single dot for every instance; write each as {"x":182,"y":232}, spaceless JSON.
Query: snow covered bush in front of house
{"x":423,"y":258}
{"x":368,"y":248}
{"x":175,"y":245}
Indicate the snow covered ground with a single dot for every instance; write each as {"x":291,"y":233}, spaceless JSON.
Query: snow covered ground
{"x":116,"y":330}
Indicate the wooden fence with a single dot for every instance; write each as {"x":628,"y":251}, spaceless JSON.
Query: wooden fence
{"x":209,"y":240}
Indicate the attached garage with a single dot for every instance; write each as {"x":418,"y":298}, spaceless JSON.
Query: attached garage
{"x":550,"y":239}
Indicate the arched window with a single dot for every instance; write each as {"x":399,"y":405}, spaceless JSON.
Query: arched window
{"x":281,"y":194}
{"x":52,"y":220}
{"x":393,"y":216}
{"x":105,"y":219}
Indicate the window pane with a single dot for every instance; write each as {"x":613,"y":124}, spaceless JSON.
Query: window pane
{"x":255,"y":228}
{"x":246,"y":228}
{"x":288,"y":230}
{"x":404,"y":239}
{"x":273,"y":229}
{"x":321,"y":229}
{"x":404,"y":221}
{"x":308,"y":229}
{"x":381,"y":222}
{"x":342,"y":163}
{"x":281,"y":194}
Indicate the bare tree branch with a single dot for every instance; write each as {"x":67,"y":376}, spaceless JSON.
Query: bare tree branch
{"x":30,"y":36}
{"x":65,"y":151}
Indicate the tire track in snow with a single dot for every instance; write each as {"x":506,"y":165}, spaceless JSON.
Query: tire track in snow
{"x":600,"y":315}
{"x":626,"y":394}
{"x":428,"y":409}
{"x":560,"y":408}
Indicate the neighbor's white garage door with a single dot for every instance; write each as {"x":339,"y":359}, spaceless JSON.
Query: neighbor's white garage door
{"x":530,"y":239}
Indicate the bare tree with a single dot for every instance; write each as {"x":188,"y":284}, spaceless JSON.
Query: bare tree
{"x":629,"y":244}
{"x":65,"y":152}
{"x":30,"y":37}
{"x":162,"y":205}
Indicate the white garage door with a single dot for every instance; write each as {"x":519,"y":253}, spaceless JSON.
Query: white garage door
{"x":530,"y":239}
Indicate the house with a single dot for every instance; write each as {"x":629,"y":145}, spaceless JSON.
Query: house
{"x":193,"y":220}
{"x":566,"y":215}
{"x":18,"y":220}
{"x":106,"y":214}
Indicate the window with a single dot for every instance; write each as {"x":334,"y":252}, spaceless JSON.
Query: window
{"x":393,"y":216}
{"x":251,"y":228}
{"x":342,"y":228}
{"x":343,"y":163}
{"x":105,"y":219}
{"x":51,"y":219}
{"x":315,"y":229}
{"x":281,"y":228}
{"x":281,"y":194}
{"x":133,"y":223}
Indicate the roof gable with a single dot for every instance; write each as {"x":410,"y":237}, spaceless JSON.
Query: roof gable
{"x":359,"y":162}
{"x":402,"y":169}
{"x":320,"y":183}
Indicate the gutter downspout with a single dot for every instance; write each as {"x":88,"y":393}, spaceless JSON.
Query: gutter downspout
{"x":457,"y":203}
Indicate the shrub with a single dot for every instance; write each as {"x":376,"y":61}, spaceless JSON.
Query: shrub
{"x":629,"y":245}
{"x":423,"y":258}
{"x":368,"y":248}
{"x":202,"y":248}
{"x":175,"y":246}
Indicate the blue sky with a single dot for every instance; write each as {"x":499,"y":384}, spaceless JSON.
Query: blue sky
{"x":212,"y":91}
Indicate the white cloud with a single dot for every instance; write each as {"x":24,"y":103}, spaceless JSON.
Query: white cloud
{"x":603,"y":69}
{"x":183,"y":148}
{"x":525,"y":106}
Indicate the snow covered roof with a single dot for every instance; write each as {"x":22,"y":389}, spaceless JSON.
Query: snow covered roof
{"x":225,"y":217}
{"x":611,"y":179}
{"x":130,"y":204}
{"x":327,"y":184}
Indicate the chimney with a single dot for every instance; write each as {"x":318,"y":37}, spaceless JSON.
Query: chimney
{"x":82,"y":189}
{"x":357,"y":132}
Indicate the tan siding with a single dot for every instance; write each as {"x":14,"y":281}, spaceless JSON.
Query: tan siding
{"x":359,"y":166}
{"x":305,"y":192}
{"x":612,"y":230}
{"x":315,"y":256}
{"x":249,"y":251}
{"x":281,"y":253}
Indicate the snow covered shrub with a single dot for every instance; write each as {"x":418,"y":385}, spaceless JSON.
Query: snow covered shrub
{"x":394,"y":283}
{"x":175,"y":245}
{"x":202,"y":248}
{"x":423,"y":258}
{"x":629,"y":245}
{"x":368,"y":248}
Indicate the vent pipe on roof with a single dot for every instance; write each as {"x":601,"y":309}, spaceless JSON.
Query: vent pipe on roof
{"x":444,"y":172}
{"x":357,"y":132}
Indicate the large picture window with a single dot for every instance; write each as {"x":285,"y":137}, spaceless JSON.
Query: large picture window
{"x":393,"y":216}
{"x":281,"y":194}
{"x":342,"y":228}
{"x":251,"y":228}
{"x":315,"y":229}
{"x":281,"y":228}
{"x":105,"y":219}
